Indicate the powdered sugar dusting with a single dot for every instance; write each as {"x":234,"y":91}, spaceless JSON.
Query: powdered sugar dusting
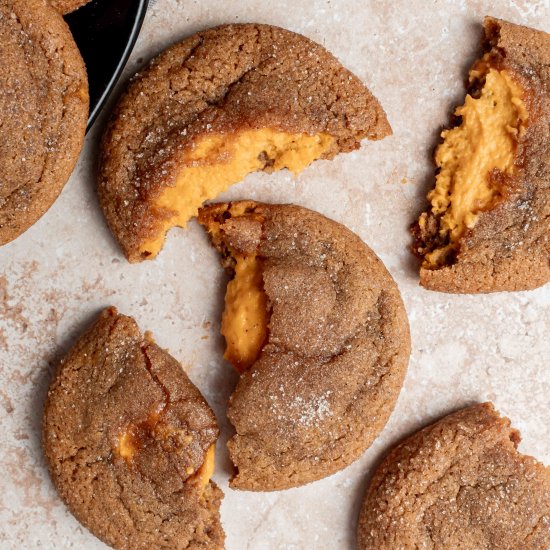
{"x":312,"y":411}
{"x":308,"y":411}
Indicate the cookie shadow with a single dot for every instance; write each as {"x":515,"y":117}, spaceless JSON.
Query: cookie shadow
{"x":411,"y":263}
{"x":46,"y":373}
{"x":90,"y":175}
{"x":224,"y":386}
{"x":224,"y":378}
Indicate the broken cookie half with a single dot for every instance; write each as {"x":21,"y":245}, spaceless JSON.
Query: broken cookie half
{"x":206,"y":112}
{"x":459,"y":483}
{"x":316,"y":326}
{"x":488,"y":225}
{"x":129,"y":442}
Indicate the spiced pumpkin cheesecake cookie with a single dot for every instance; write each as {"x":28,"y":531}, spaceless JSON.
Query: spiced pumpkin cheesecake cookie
{"x":459,"y":483}
{"x":129,"y":442}
{"x":43,"y":111}
{"x":316,"y":327}
{"x":488,"y":225}
{"x":208,"y":111}
{"x":68,"y":6}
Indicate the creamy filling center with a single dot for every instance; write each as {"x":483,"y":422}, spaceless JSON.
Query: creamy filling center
{"x":218,"y":161}
{"x":485,"y":141}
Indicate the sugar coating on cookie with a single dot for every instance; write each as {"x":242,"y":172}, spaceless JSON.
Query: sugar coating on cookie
{"x":129,"y":442}
{"x":68,"y":6}
{"x":208,"y":111}
{"x":43,"y":111}
{"x":316,"y":326}
{"x":488,"y":225}
{"x":459,"y":483}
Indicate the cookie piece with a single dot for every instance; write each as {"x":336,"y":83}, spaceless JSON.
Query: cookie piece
{"x":317,"y":328}
{"x":488,"y":225}
{"x":206,"y":112}
{"x":129,"y":442}
{"x":67,"y":6}
{"x":43,"y":111}
{"x":459,"y":483}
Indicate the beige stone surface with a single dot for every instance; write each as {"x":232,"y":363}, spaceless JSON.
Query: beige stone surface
{"x":55,"y":278}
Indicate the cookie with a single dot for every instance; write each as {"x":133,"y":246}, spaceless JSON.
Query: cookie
{"x":316,"y":326}
{"x":67,"y":6}
{"x":459,"y":483}
{"x":206,"y":112}
{"x":129,"y":442}
{"x":43,"y":111}
{"x":487,"y":228}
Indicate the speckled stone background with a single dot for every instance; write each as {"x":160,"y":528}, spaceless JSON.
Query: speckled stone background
{"x":414,"y":56}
